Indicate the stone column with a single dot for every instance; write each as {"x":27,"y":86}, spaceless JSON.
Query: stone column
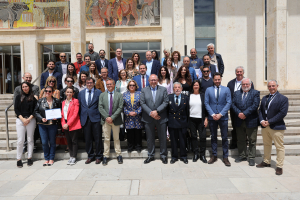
{"x":189,"y":25}
{"x":77,"y":29}
{"x":277,"y":41}
{"x":178,"y":26}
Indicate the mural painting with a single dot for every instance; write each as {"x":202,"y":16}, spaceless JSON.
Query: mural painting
{"x":122,"y":13}
{"x":34,"y":14}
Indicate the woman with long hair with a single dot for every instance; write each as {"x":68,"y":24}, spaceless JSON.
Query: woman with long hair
{"x":184,"y":77}
{"x":24,"y":108}
{"x":176,"y":59}
{"x":81,"y":82}
{"x":164,"y":79}
{"x":137,"y":60}
{"x":93,"y":72}
{"x":155,"y":55}
{"x":51,"y":81}
{"x":71,"y":71}
{"x":131,"y":69}
{"x":172,"y":70}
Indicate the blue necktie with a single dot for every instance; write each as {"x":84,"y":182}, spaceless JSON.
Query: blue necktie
{"x":244,"y":97}
{"x":90,"y":97}
{"x":218,"y":93}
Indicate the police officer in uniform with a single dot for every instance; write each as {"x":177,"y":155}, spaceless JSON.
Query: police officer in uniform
{"x":177,"y":123}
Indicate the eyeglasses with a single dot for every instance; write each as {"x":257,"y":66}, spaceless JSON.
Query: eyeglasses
{"x":70,"y":81}
{"x":52,"y":81}
{"x":132,"y":85}
{"x":205,"y":71}
{"x":48,"y":91}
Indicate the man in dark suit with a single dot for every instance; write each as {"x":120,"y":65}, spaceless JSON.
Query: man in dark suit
{"x":235,"y":85}
{"x":273,"y":109}
{"x":153,"y":66}
{"x":62,"y":65}
{"x":154,"y":102}
{"x":115,"y":65}
{"x":215,"y":58}
{"x":143,"y":79}
{"x":178,"y":110}
{"x":90,"y":121}
{"x":102,"y":61}
{"x":245,"y":103}
{"x":51,"y":72}
{"x":217,"y":104}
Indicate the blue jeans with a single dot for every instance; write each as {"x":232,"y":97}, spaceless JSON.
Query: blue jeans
{"x":48,"y":134}
{"x":213,"y":126}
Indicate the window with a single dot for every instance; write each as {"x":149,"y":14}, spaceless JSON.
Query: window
{"x":204,"y":13}
{"x":52,"y":51}
{"x":128,"y":48}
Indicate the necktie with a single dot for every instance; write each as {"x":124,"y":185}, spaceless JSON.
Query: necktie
{"x":218,"y":93}
{"x":153,"y":94}
{"x":90,"y":97}
{"x":143,"y":81}
{"x":244,"y":97}
{"x":176,"y":100}
{"x":268,"y":101}
{"x":111,"y":104}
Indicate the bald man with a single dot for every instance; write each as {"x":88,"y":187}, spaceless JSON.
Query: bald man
{"x":27,"y":78}
{"x":195,"y":62}
{"x":62,"y":65}
{"x":153,"y":66}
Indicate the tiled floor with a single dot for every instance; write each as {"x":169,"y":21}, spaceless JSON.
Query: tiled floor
{"x":135,"y":180}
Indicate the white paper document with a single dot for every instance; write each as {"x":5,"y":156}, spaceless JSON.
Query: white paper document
{"x":53,"y":113}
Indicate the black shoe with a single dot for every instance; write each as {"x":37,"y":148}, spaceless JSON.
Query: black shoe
{"x":19,"y":164}
{"x":251,"y":162}
{"x":105,"y":161}
{"x":29,"y":162}
{"x":120,"y":159}
{"x":148,"y":160}
{"x":173,"y":160}
{"x":195,"y":158}
{"x":232,"y":146}
{"x":238,"y":160}
{"x":203,"y":159}
{"x":164,"y":160}
{"x":184,"y":160}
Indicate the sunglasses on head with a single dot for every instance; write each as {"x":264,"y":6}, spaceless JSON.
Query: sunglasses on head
{"x":48,"y":91}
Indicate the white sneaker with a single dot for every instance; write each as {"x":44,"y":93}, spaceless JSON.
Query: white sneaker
{"x":69,"y":162}
{"x":73,"y":162}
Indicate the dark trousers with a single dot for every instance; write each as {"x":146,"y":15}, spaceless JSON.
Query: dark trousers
{"x":197,"y":124}
{"x":233,"y":132}
{"x":162,"y":135}
{"x":213,"y":126}
{"x":178,"y":135}
{"x":242,"y":133}
{"x":72,"y":138}
{"x":93,"y":130}
{"x":134,"y":139}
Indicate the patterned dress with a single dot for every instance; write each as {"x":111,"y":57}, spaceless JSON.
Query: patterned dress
{"x":130,"y":121}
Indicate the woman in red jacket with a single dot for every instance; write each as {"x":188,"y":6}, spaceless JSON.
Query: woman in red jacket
{"x":70,"y":122}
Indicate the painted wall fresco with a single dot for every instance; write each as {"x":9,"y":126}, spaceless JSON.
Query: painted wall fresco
{"x":122,"y":13}
{"x":34,"y":14}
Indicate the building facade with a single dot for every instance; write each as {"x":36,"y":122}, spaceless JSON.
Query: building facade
{"x":260,"y":35}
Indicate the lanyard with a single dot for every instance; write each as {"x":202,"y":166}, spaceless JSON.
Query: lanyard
{"x":269,"y":101}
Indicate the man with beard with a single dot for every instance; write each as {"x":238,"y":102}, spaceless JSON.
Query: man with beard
{"x":27,"y":78}
{"x":51,"y":72}
{"x":62,"y":65}
{"x":102,"y":61}
{"x":245,"y":103}
{"x":212,"y":68}
{"x":86,"y":67}
{"x":79,"y":62}
{"x":93,"y":55}
{"x":206,"y":81}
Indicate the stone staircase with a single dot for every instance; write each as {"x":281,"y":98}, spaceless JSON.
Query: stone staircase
{"x":291,"y":139}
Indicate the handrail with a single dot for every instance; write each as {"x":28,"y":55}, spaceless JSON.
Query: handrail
{"x":6,"y":114}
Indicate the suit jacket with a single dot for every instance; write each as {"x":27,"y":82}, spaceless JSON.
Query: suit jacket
{"x":155,"y":66}
{"x":278,"y":109}
{"x":45,"y":75}
{"x":73,"y":119}
{"x":160,"y":105}
{"x":231,"y":85}
{"x":221,"y":106}
{"x":220,"y":63}
{"x":100,"y":85}
{"x":249,"y":107}
{"x":139,"y":81}
{"x":117,"y":107}
{"x":91,"y":110}
{"x":58,"y":67}
{"x":132,"y":121}
{"x":178,"y":115}
{"x":99,"y":64}
{"x":113,"y":71}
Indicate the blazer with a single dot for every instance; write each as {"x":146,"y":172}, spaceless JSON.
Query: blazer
{"x":130,"y":121}
{"x":278,"y":109}
{"x":160,"y":104}
{"x":73,"y":119}
{"x":231,"y":85}
{"x":155,"y":66}
{"x":249,"y":107}
{"x":117,"y":107}
{"x":100,"y":85}
{"x":138,"y":80}
{"x":58,"y":67}
{"x":118,"y":85}
{"x":220,"y":63}
{"x":178,"y":115}
{"x":99,"y":64}
{"x":113,"y":71}
{"x":221,"y":106}
{"x":204,"y":111}
{"x":41,"y":107}
{"x":91,"y":110}
{"x":193,"y":73}
{"x":56,"y":74}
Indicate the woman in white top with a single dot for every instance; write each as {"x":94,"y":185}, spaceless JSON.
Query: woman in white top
{"x":164,"y":79}
{"x":93,"y":72}
{"x":176,"y":57}
{"x":81,"y":82}
{"x":198,"y":122}
{"x":71,"y":71}
{"x":121,"y":84}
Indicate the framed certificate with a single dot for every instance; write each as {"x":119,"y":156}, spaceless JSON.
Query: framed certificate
{"x":53,"y":113}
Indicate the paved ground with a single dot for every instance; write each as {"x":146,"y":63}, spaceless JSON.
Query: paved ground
{"x":134,"y":180}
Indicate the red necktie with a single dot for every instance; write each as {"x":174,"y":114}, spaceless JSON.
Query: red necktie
{"x":143,"y":81}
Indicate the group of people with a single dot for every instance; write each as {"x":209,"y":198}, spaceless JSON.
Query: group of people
{"x":171,"y":98}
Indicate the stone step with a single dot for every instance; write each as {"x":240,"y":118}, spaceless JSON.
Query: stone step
{"x":290,"y":150}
